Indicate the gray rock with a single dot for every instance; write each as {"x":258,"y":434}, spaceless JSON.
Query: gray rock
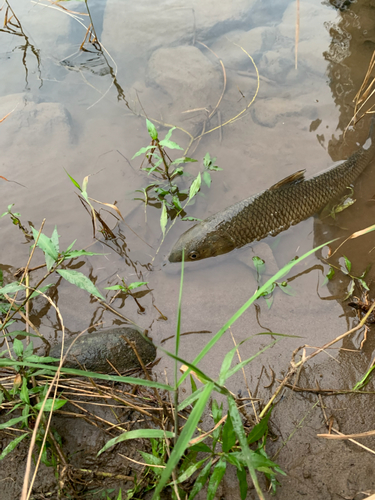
{"x":92,"y":350}
{"x":145,"y":26}
{"x":255,"y":42}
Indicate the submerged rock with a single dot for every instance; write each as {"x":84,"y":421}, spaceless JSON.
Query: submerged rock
{"x":92,"y":350}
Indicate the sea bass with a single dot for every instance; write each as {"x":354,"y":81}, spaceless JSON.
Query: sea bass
{"x":286,"y":203}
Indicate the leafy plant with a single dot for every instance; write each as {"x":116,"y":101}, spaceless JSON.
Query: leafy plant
{"x":346,"y":269}
{"x":165,"y":190}
{"x":15,"y":217}
{"x":260,"y":268}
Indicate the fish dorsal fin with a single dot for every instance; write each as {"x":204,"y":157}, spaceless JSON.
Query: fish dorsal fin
{"x":291,"y":179}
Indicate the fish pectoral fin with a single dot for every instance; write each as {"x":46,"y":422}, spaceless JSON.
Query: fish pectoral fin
{"x":291,"y":179}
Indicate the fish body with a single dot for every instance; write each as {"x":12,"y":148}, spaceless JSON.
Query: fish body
{"x":287,"y":203}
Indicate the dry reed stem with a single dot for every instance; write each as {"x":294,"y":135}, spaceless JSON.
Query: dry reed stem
{"x":244,"y":376}
{"x":294,"y":366}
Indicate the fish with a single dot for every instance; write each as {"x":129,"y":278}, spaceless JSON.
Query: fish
{"x":272,"y":211}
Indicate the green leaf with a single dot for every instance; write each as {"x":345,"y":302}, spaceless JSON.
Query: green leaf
{"x":195,"y":187}
{"x":81,"y":281}
{"x":24,"y":394}
{"x":185,"y":436}
{"x":11,"y":288}
{"x":286,"y":288}
{"x":115,"y":287}
{"x":207,"y":178}
{"x":207,"y":160}
{"x":228,"y":435}
{"x":350,"y":289}
{"x":45,"y":244}
{"x":74,"y":181}
{"x":137,"y":284}
{"x":55,"y":239}
{"x":1,"y":278}
{"x":184,"y":159}
{"x":18,"y":348}
{"x":348,"y":264}
{"x":169,"y":133}
{"x":241,"y":475}
{"x":239,"y":430}
{"x":43,"y":289}
{"x":152,"y":130}
{"x":259,"y":430}
{"x":51,"y":405}
{"x":191,"y":218}
{"x":142,"y":151}
{"x":13,"y":421}
{"x":201,"y":447}
{"x":190,"y":471}
{"x":163,"y":218}
{"x":200,"y":480}
{"x":215,"y":479}
{"x":364,"y":284}
{"x":176,"y":202}
{"x":137,"y":434}
{"x":259,"y":265}
{"x":83,"y":373}
{"x":169,"y":144}
{"x":12,"y":445}
{"x":78,"y":253}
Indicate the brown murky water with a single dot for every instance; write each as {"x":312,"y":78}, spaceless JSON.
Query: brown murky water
{"x":83,"y":111}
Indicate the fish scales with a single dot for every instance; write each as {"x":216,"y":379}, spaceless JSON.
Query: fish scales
{"x":287,"y":203}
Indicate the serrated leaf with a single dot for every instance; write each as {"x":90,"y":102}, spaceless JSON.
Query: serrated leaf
{"x":195,"y":186}
{"x":152,"y":130}
{"x":12,"y":445}
{"x":81,"y":281}
{"x":163,"y":218}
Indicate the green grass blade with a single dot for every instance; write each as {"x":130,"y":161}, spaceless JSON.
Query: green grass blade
{"x":183,"y":440}
{"x":200,"y":481}
{"x":12,"y":445}
{"x":282,"y":272}
{"x":239,"y":430}
{"x":83,"y":373}
{"x":215,"y":479}
{"x":137,"y":434}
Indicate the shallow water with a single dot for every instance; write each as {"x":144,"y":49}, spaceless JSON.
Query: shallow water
{"x":83,"y":112}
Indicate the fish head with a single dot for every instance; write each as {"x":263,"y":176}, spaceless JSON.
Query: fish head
{"x":200,"y":242}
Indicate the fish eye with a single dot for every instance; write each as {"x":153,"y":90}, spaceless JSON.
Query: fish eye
{"x":193,"y":255}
